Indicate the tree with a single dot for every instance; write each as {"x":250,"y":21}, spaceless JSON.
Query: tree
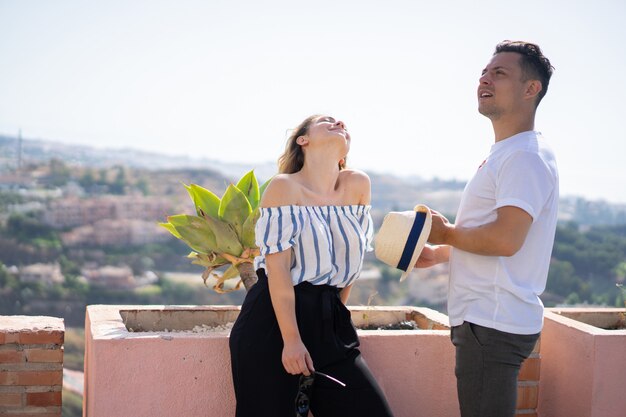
{"x":60,"y":174}
{"x":119,"y":184}
{"x":87,"y":180}
{"x":27,"y":228}
{"x":620,"y":272}
{"x":562,"y":279}
{"x":572,"y":299}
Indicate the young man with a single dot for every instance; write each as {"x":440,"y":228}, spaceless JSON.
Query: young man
{"x":500,"y":246}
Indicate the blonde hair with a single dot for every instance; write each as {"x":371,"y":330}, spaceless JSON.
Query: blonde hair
{"x":292,"y":160}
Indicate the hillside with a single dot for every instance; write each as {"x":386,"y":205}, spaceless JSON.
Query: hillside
{"x":388,"y":192}
{"x":121,"y":193}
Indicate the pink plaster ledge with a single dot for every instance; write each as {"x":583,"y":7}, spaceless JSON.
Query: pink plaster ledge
{"x":157,"y":373}
{"x":583,"y":366}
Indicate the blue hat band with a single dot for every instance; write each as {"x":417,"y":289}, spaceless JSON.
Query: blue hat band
{"x":411,"y":241}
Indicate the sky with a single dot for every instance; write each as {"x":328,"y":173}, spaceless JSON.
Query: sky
{"x":226,"y":80}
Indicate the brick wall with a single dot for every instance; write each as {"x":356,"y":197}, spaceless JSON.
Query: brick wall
{"x":31,"y":366}
{"x":528,"y":384}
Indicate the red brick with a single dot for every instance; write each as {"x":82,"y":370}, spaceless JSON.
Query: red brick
{"x":530,"y":369}
{"x":45,"y":378}
{"x":44,"y":355}
{"x":2,"y":338}
{"x":11,"y":356}
{"x":527,"y":396}
{"x":7,"y":378}
{"x":33,"y":378}
{"x":42,"y":337}
{"x":9,"y":399}
{"x":43,"y":399}
{"x":33,"y":414}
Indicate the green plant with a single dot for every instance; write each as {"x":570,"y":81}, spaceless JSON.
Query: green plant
{"x":222,"y":231}
{"x":621,"y":287}
{"x":623,"y":315}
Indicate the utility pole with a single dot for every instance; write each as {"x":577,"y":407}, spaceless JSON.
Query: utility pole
{"x":19,"y":150}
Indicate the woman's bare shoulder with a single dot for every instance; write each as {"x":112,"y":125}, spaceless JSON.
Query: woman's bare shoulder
{"x":359,"y":185}
{"x":355,"y":178}
{"x":283,"y":190}
{"x":355,"y":175}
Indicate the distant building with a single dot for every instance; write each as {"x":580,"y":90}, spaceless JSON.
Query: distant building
{"x":12,"y":181}
{"x":24,"y":208}
{"x":73,"y":189}
{"x":110,"y":276}
{"x":116,"y":232}
{"x":147,"y":278}
{"x":73,"y":212}
{"x":44,"y":273}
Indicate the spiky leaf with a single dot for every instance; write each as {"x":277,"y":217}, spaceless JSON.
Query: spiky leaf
{"x":207,"y":260}
{"x":204,"y":200}
{"x":249,"y":186}
{"x":247,"y":238}
{"x":195,"y":232}
{"x":170,"y":227}
{"x":226,"y":238}
{"x":234,"y":208}
{"x":231,"y":272}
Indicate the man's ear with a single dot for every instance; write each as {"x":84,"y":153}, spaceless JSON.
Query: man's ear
{"x":533,"y":88}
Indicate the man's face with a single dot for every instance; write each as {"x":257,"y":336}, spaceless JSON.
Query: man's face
{"x":500,"y":87}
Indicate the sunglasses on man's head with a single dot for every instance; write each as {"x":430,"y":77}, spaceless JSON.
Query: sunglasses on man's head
{"x":305,"y":390}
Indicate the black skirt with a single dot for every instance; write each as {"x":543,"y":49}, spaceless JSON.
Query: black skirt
{"x":264,"y":388}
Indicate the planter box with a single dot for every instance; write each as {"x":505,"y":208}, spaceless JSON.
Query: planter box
{"x":160,"y":373}
{"x":148,"y":359}
{"x":583,"y":364}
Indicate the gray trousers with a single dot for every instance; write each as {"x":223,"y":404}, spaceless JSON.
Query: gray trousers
{"x":487,"y":365}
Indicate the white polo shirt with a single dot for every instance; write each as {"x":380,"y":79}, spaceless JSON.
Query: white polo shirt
{"x":496,"y":291}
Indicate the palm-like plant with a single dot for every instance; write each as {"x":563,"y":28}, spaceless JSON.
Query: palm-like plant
{"x":222,"y":231}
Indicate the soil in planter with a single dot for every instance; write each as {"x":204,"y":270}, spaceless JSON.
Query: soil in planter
{"x":620,"y":324}
{"x":202,"y":328}
{"x":402,"y":325}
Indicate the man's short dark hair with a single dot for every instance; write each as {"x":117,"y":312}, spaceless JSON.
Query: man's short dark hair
{"x":535,"y":66}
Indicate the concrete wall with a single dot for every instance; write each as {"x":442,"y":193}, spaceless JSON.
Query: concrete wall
{"x":161,"y":373}
{"x":156,"y":373}
{"x":583,"y":367}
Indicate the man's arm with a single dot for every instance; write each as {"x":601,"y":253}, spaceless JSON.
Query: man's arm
{"x":502,"y":237}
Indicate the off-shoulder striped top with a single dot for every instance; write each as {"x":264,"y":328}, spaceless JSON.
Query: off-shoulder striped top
{"x":327,"y":242}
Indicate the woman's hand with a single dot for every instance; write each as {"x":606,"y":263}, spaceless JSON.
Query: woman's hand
{"x":296,"y":359}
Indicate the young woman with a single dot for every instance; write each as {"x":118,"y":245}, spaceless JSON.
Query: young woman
{"x":313,"y":231}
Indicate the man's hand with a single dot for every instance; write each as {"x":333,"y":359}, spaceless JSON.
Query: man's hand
{"x":440,"y":229}
{"x":433,"y":255}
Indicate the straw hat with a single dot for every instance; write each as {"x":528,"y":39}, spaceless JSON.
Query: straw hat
{"x":402,"y":237}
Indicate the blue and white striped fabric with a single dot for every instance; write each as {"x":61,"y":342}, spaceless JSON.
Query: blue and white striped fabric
{"x":327,"y":242}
